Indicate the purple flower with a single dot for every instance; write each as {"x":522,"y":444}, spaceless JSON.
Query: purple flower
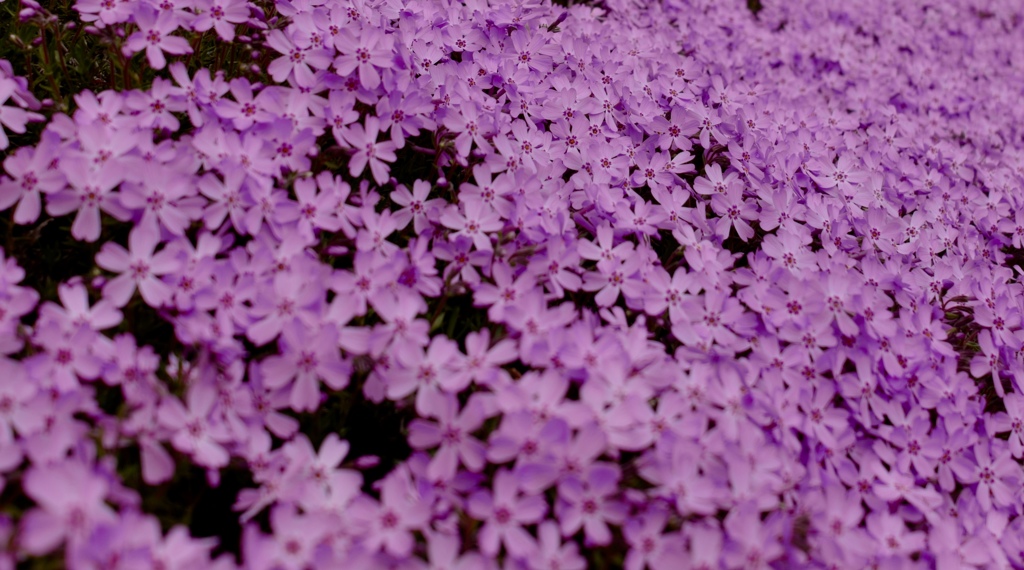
{"x":296,"y":537}
{"x":363,"y":140}
{"x":313,"y":209}
{"x":74,"y":310}
{"x":451,"y":433}
{"x":316,"y":479}
{"x":427,"y":372}
{"x":307,"y":357}
{"x":390,"y":523}
{"x":734,"y":212}
{"x":1012,"y":421}
{"x":221,"y":15}
{"x":298,"y":59}
{"x":194,"y":431}
{"x":504,"y":512}
{"x":892,"y":536}
{"x":139,"y":267}
{"x":12,"y":119}
{"x":70,"y":498}
{"x":527,"y":146}
{"x":376,"y":229}
{"x":587,"y":503}
{"x":170,"y":205}
{"x":179,"y":551}
{"x":843,"y":175}
{"x":288,"y":298}
{"x":72,"y":355}
{"x":680,"y":477}
{"x":365,"y":49}
{"x":462,"y":259}
{"x":104,"y":12}
{"x":416,"y":206}
{"x":474,"y":220}
{"x":996,"y":474}
{"x":443,"y":553}
{"x":155,"y":37}
{"x":365,"y":284}
{"x":472,"y":125}
{"x":404,"y":115}
{"x":751,"y":544}
{"x":403,"y":332}
{"x":553,"y":553}
{"x":483,"y":361}
{"x":660,"y":170}
{"x":31,"y":172}
{"x":504,"y":293}
{"x":91,"y":191}
{"x":649,"y":546}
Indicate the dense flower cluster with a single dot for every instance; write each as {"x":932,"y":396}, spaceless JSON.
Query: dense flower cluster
{"x":662,"y":284}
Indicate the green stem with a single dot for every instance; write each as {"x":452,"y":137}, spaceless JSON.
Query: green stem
{"x":49,"y":70}
{"x":60,"y":53}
